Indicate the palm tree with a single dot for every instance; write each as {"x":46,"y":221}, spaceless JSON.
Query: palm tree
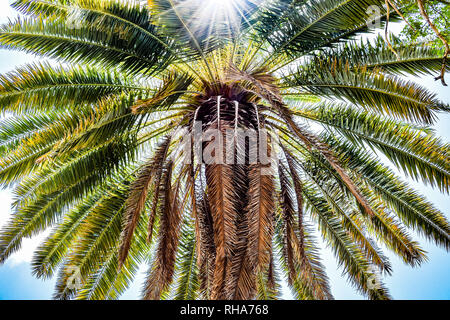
{"x":102,"y":148}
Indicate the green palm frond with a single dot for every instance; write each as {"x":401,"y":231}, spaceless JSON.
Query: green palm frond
{"x":418,"y":152}
{"x":187,"y":283}
{"x":41,"y":87}
{"x":266,"y":291}
{"x":108,"y":282}
{"x":369,"y":89}
{"x":35,"y":216}
{"x":128,"y":18}
{"x":411,"y":207}
{"x":36,"y":8}
{"x":19,"y":158}
{"x":99,"y":236}
{"x":15,"y":130}
{"x":75,"y":131}
{"x":300,"y":288}
{"x":307,"y":278}
{"x":356,"y":267}
{"x":88,"y":166}
{"x":415,"y":59}
{"x":298,"y":27}
{"x":341,"y":206}
{"x":391,"y":232}
{"x":88,"y":44}
{"x":101,"y":144}
{"x":54,"y":249}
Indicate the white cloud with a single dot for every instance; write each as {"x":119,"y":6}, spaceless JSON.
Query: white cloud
{"x":6,"y":11}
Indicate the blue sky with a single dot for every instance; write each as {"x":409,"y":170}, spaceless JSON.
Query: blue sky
{"x":431,"y":281}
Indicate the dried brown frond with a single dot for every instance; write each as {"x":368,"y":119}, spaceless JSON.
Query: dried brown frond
{"x":310,"y":270}
{"x":138,"y":195}
{"x":221,"y":199}
{"x":311,"y":141}
{"x":260,"y":218}
{"x":204,"y":233}
{"x":222,"y":202}
{"x":287,"y":208}
{"x":298,"y":188}
{"x":239,"y":275}
{"x":163,"y":269}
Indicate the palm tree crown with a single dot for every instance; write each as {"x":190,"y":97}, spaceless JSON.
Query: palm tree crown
{"x":105,"y":149}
